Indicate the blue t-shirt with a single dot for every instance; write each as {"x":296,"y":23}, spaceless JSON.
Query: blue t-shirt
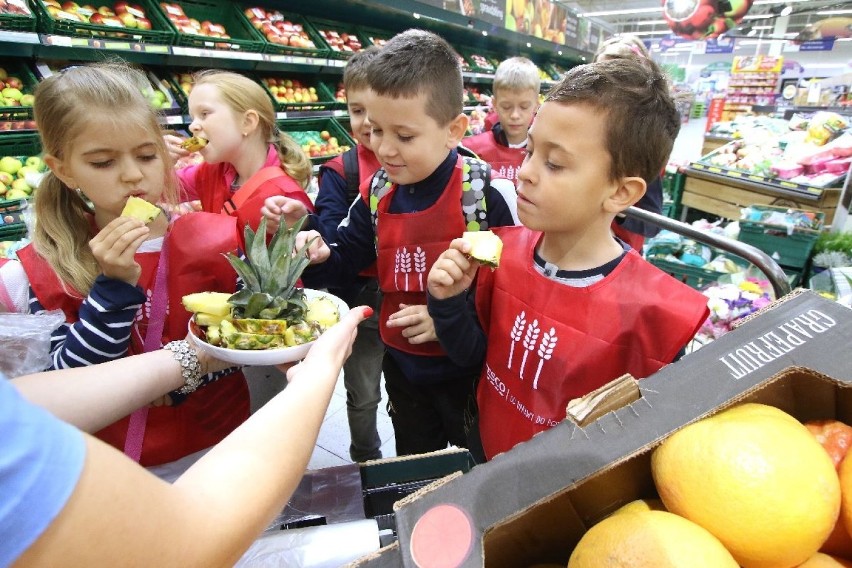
{"x":41,"y":459}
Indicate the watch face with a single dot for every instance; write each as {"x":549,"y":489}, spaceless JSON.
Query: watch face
{"x":789,"y":91}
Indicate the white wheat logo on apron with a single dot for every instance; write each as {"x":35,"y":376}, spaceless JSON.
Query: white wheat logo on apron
{"x":420,"y":265}
{"x":545,"y":348}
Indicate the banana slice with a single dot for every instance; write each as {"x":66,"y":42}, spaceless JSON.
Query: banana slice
{"x":194,"y":144}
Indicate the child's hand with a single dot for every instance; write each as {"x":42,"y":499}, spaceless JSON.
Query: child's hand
{"x":453,"y":272}
{"x":173,"y":144}
{"x":277,"y":207}
{"x":116,"y":244}
{"x":418,"y":324}
{"x":318,"y":252}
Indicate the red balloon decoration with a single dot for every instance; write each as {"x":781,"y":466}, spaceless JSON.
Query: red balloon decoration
{"x":703,"y":19}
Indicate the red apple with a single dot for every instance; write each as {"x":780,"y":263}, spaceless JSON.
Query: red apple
{"x":143,"y":23}
{"x":129,"y":20}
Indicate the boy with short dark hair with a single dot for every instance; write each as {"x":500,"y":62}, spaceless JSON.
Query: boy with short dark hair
{"x":425,"y":195}
{"x":570,"y":307}
{"x":516,"y":86}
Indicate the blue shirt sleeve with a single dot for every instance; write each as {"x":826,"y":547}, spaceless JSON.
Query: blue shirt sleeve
{"x":41,"y":460}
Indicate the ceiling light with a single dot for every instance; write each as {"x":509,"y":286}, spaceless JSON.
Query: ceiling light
{"x":833,"y":12}
{"x":787,"y":10}
{"x":664,"y":32}
{"x":649,"y":22}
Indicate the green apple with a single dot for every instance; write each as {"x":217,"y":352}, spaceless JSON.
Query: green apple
{"x":21,"y":184}
{"x":27,"y":100}
{"x":16,"y":194}
{"x":3,"y":189}
{"x":6,"y":178}
{"x":28,"y":171}
{"x":35,"y":162}
{"x":10,"y":93}
{"x":10,"y":164}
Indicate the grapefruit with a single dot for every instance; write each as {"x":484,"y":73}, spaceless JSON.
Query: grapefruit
{"x":754,"y":477}
{"x":649,"y":539}
{"x":641,"y":505}
{"x":820,"y":560}
{"x":836,"y":437}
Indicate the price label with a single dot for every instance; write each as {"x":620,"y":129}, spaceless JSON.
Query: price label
{"x":280,"y":115}
{"x":150,"y":48}
{"x":715,"y":170}
{"x":118,"y":45}
{"x":756,"y":178}
{"x":788,"y":184}
{"x":735,"y":174}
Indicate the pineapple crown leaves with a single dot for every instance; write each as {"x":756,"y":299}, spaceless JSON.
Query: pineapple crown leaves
{"x":270,"y":272}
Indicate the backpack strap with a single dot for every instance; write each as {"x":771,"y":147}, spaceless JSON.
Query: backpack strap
{"x":352,"y":173}
{"x":245,"y":192}
{"x":476,"y":177}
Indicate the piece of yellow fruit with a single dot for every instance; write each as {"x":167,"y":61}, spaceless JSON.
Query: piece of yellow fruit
{"x":140,"y":209}
{"x":212,"y":303}
{"x":485,"y":246}
{"x":194,"y":144}
{"x":205,"y":319}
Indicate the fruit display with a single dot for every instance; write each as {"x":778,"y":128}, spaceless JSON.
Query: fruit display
{"x":340,"y":93}
{"x":749,"y":486}
{"x":281,"y":30}
{"x":477,"y":95}
{"x":318,"y":143}
{"x":482,"y":64}
{"x":192,"y":26}
{"x":17,"y":98}
{"x":341,"y":41}
{"x":465,"y":66}
{"x":303,"y":91}
{"x":269,"y":312}
{"x":15,"y":7}
{"x":20,"y":175}
{"x":121,"y":14}
{"x":376,"y":39}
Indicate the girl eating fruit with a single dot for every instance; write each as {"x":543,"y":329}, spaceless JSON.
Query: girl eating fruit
{"x":246,"y":157}
{"x":117,"y":267}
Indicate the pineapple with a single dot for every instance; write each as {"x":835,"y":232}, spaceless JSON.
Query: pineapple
{"x":264,"y":309}
{"x":140,"y":209}
{"x":194,"y":144}
{"x":485,"y":246}
{"x":323,"y":311}
{"x":212,"y":303}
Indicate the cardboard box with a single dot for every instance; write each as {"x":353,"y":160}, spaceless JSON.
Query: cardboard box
{"x":532,"y":504}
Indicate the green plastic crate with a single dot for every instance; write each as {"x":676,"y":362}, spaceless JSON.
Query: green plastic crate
{"x":673,"y":182}
{"x":320,"y":48}
{"x":489,"y":66}
{"x":243,"y":35}
{"x":698,"y":278}
{"x":160,"y":32}
{"x":20,"y":146}
{"x":340,"y":27}
{"x":375,"y":37}
{"x":324,"y":101}
{"x":789,"y":250}
{"x":294,"y":125}
{"x":17,"y":114}
{"x":18,"y":22}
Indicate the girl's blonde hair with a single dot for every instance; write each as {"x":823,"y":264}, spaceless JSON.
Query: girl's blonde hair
{"x":242,"y":94}
{"x":622,"y":46}
{"x":65,"y":103}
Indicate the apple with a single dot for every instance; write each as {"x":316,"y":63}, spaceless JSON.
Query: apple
{"x":143,"y":23}
{"x":70,"y":6}
{"x":21,"y":184}
{"x":325,"y":135}
{"x":12,"y":93}
{"x":27,"y":100}
{"x":3,"y":188}
{"x":3,"y":74}
{"x":97,"y":18}
{"x":10,"y":165}
{"x":6,"y":178}
{"x":106,"y":11}
{"x":16,"y":194}
{"x":35,"y":162}
{"x":129,"y":20}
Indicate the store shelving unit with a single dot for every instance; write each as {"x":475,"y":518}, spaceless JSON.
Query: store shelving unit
{"x":753,"y":83}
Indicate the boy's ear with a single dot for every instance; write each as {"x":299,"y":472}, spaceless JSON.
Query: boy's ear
{"x":627,"y":193}
{"x":59,"y":170}
{"x":456,"y":130}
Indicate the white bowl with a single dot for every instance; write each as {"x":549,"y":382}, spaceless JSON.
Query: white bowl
{"x":259,"y":357}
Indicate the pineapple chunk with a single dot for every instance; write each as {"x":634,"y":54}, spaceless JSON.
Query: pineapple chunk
{"x":206,"y":320}
{"x":485,"y":246}
{"x":213,"y":303}
{"x":213,"y":335}
{"x":323,"y":311}
{"x":140,"y":209}
{"x":194,"y":144}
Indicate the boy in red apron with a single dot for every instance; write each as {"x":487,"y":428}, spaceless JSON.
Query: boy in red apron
{"x":516,"y":87}
{"x":425,"y":195}
{"x":570,"y":307}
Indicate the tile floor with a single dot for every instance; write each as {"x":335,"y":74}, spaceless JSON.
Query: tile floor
{"x":333,"y":443}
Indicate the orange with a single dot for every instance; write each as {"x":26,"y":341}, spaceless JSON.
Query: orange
{"x":820,"y":560}
{"x":649,"y":539}
{"x":845,"y":473}
{"x":756,"y":479}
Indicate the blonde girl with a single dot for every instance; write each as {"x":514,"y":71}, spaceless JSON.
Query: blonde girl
{"x":118,"y":280}
{"x":246,"y":158}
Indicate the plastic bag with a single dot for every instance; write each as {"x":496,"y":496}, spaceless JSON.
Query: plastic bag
{"x":25,"y":341}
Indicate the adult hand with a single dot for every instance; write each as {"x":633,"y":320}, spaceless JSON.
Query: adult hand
{"x":453,"y":272}
{"x":418,"y":324}
{"x":334,"y":345}
{"x":114,"y":248}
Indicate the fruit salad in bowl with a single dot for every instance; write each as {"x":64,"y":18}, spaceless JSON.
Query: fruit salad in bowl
{"x":269,"y":321}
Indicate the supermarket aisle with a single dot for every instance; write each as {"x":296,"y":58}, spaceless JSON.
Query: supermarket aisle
{"x":687,"y":147}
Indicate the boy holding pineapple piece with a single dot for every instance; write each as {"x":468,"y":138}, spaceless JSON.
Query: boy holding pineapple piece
{"x":425,"y":195}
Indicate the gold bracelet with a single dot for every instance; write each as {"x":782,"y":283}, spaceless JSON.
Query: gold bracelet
{"x":190,"y":367}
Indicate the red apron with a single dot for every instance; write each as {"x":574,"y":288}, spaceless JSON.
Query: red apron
{"x":505,"y":161}
{"x":196,"y":241}
{"x":408,"y":244}
{"x":549,"y":343}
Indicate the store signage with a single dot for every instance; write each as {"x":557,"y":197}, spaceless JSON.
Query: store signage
{"x":715,"y":45}
{"x":671,"y":41}
{"x":824,"y":44}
